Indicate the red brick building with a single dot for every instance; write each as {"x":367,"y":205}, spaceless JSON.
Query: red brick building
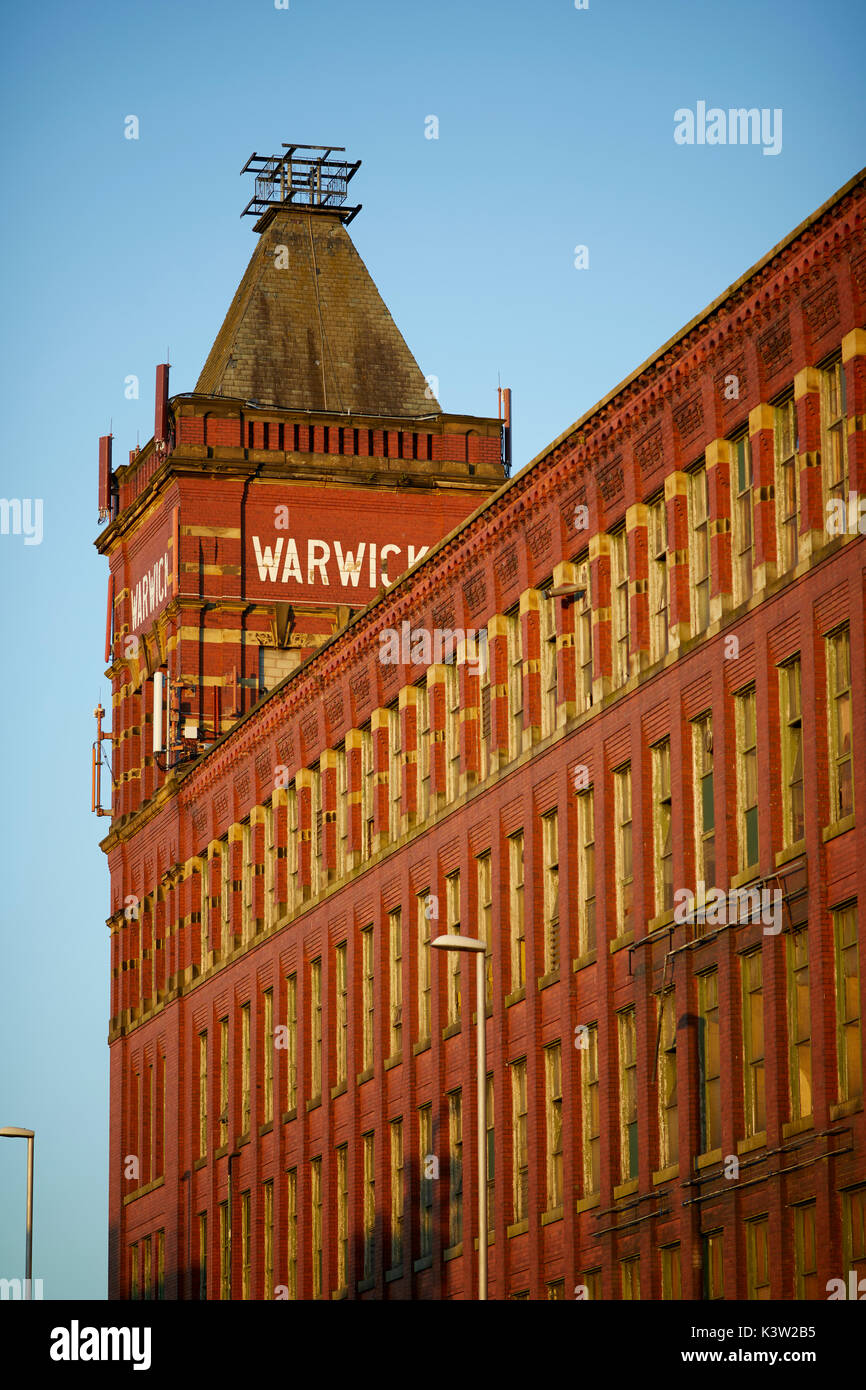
{"x":645,"y":791}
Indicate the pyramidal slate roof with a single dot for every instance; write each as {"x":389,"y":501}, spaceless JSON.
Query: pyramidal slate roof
{"x":308,"y":330}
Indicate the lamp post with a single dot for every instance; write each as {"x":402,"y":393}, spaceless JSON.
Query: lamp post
{"x":12,"y":1132}
{"x":479,"y":948}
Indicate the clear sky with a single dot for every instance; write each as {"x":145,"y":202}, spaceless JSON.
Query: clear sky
{"x":556,"y":129}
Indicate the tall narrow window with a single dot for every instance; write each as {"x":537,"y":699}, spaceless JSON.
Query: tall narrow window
{"x":583,"y":637}
{"x":225,"y":1251}
{"x":204,"y":915}
{"x":160,"y":1264}
{"x":619,"y":582}
{"x":226,"y":895}
{"x":316,"y":1224}
{"x":269,"y":868}
{"x":342,"y":1217}
{"x":292,"y":1233}
{"x":423,"y":751}
{"x":426,"y":1168}
{"x":787,"y":484}
{"x":423,"y":910}
{"x":268,"y":1215}
{"x":839,"y":715}
{"x":708,"y":1061}
{"x":799,"y":1025}
{"x":624,"y":868}
{"x":268,"y":1056}
{"x":741,"y":484}
{"x":518,"y":924}
{"x":667,"y":1082}
{"x":368,"y":783}
{"x":452,"y":729}
{"x":202,"y":1094}
{"x":483,"y":657}
{"x":753,"y":1044}
{"x":367,"y":997}
{"x":805,"y":1252}
{"x":547,"y":621}
{"x":292,"y":837}
{"x":341,"y":1019}
{"x":747,"y":779}
{"x":395,"y":771}
{"x":714,"y":1265}
{"x":317,"y":876}
{"x":834,"y":431}
{"x":491,"y":1157}
{"x":485,"y":916}
{"x":397,"y":1193}
{"x":627,"y":1095}
{"x":245,"y":1069}
{"x":146,"y":1271}
{"x":134,"y":1290}
{"x":553,"y":1123}
{"x":758,"y":1259}
{"x":291,"y":1042}
{"x":316,"y":1029}
{"x":452,"y":920}
{"x":590,"y":1110}
{"x":629,"y":1272}
{"x":224,"y":1082}
{"x":848,"y":1003}
{"x":854,"y":1231}
{"x":515,"y":683}
{"x":699,"y":508}
{"x":342,"y":812}
{"x":202,"y":1255}
{"x":550,"y":847}
{"x":455,"y":1168}
{"x":245,"y":1246}
{"x":247,"y":879}
{"x":520,"y":1135}
{"x":791,"y":724}
{"x":663,"y":827}
{"x":395,"y":959}
{"x":705,"y":813}
{"x":672,"y":1284}
{"x":657,"y":535}
{"x":586,"y":872}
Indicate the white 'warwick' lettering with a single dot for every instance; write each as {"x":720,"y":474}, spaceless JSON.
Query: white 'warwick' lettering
{"x":150,"y":591}
{"x":320,"y":559}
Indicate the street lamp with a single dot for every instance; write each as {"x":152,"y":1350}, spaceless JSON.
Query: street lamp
{"x":472,"y":944}
{"x":12,"y":1132}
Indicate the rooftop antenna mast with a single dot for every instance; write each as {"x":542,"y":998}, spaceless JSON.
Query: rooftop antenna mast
{"x":304,"y":177}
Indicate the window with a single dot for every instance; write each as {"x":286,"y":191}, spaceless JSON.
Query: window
{"x":663,"y":827}
{"x":556,"y":1291}
{"x":341,"y":1020}
{"x":699,"y":513}
{"x":619,"y":594}
{"x":591,"y":1283}
{"x":245,"y":1246}
{"x":247,"y":880}
{"x":268,"y":1206}
{"x":590,"y":1111}
{"x":342,"y":813}
{"x":520,"y":1140}
{"x":147,"y":1282}
{"x":368,"y":783}
{"x":627,"y":1095}
{"x":705,"y":813}
{"x":747,"y":780}
{"x":518,"y":925}
{"x":160,"y":1264}
{"x":395,"y":959}
{"x":787,"y":484}
{"x":367,"y":997}
{"x":397,"y":1193}
{"x":834,"y":431}
{"x":316,"y":1224}
{"x":427,"y":1165}
{"x":369,"y":1205}
{"x":515,"y":683}
{"x":202,"y":1255}
{"x":424,"y":907}
{"x":714,"y":1265}
{"x":553,"y":1118}
{"x":291,"y":1042}
{"x":586,"y":873}
{"x":423,"y":751}
{"x":550,"y":848}
{"x":483,"y":657}
{"x":791,"y":728}
{"x":839,"y":715}
{"x":741,"y":485}
{"x":799,"y":1025}
{"x":134,"y":1293}
{"x":491,"y":1155}
{"x":226,"y":895}
{"x":485,"y":916}
{"x":547,"y":622}
{"x":317,"y":877}
{"x":848,"y":1003}
{"x":455,"y":1169}
{"x":269,"y":865}
{"x":268,"y":1057}
{"x":672,"y":1285}
{"x":629,"y":1271}
{"x":452,"y":729}
{"x":667,"y":1082}
{"x":342,"y":1217}
{"x":624,"y":870}
{"x":292,"y":1233}
{"x":805,"y":1253}
{"x":854,"y":1230}
{"x":583,"y":637}
{"x":657,"y":536}
{"x":292,"y":835}
{"x":225,"y":1251}
{"x":753,"y":1043}
{"x":316,"y":1027}
{"x":708,"y":1061}
{"x":202,"y":1094}
{"x":452,"y":913}
{"x":245,"y":1069}
{"x":395,"y":771}
{"x":758,"y":1259}
{"x":204,"y":914}
{"x":224,"y":1082}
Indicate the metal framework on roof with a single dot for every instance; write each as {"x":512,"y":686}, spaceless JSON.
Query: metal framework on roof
{"x":305,"y":176}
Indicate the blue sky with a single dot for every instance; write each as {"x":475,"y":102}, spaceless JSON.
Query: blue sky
{"x":555,"y":130}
